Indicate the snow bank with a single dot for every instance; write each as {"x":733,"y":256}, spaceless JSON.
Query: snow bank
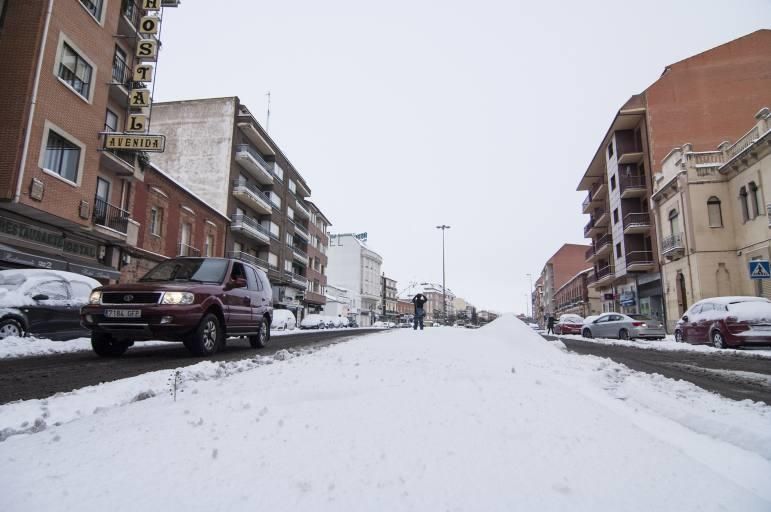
{"x":461,"y":419}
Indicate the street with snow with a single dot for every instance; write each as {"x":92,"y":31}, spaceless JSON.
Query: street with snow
{"x":490,"y":419}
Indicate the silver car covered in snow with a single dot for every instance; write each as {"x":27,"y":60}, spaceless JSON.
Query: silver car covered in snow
{"x":624,"y":327}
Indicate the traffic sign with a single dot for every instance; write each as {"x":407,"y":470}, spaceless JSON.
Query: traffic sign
{"x":760,"y":269}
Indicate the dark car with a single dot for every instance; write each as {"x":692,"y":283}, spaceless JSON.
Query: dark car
{"x":46,"y":303}
{"x":198,"y":301}
{"x":727,"y":322}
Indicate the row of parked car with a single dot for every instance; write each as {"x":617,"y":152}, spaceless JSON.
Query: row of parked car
{"x":316,"y":321}
{"x":724,"y":322}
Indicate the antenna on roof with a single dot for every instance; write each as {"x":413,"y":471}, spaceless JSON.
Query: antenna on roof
{"x":267,"y":118}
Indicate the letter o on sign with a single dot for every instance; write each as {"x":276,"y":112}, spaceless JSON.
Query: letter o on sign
{"x":149,"y":25}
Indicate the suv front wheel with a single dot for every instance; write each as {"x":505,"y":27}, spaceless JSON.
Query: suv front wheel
{"x":207,"y":337}
{"x":105,"y":346}
{"x":261,"y":339}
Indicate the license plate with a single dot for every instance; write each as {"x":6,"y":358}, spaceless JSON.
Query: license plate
{"x":123,"y":313}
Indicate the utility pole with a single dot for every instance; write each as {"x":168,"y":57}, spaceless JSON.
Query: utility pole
{"x":267,"y":118}
{"x":444,"y":287}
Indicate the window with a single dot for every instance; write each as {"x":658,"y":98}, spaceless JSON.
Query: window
{"x":251,"y":280}
{"x":75,"y":71}
{"x":272,"y":260}
{"x":754,"y":199}
{"x":237,"y":247}
{"x":287,"y":265}
{"x":615,"y":216}
{"x":714,"y":212}
{"x":278,"y":171}
{"x":618,"y":250}
{"x":674,"y":222}
{"x":613,"y":182}
{"x":289,"y":239}
{"x":55,"y":290}
{"x":290,"y":212}
{"x":156,"y":220}
{"x":62,"y":157}
{"x":292,"y":186}
{"x":209,"y":248}
{"x":237,"y":272}
{"x":274,"y":229}
{"x":119,"y":66}
{"x":110,"y":121}
{"x":94,"y":7}
{"x":610,"y":150}
{"x":184,"y":237}
{"x":743,"y":201}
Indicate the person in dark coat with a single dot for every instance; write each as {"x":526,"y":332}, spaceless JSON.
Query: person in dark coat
{"x":419,"y":300}
{"x":550,"y":325}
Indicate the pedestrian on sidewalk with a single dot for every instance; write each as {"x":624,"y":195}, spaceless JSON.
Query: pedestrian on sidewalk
{"x":419,"y":300}
{"x":550,"y":325}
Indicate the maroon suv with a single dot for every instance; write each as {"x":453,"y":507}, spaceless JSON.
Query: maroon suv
{"x":727,"y":322}
{"x":198,"y":301}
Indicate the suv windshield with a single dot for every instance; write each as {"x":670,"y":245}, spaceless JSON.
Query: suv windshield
{"x":197,"y":270}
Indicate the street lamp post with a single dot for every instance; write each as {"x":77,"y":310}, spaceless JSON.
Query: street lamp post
{"x":444,"y":291}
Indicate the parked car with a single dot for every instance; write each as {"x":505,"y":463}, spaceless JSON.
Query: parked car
{"x":198,"y":301}
{"x":339,"y":322}
{"x":625,"y":327}
{"x":46,"y":303}
{"x":405,"y":325}
{"x":727,"y":322}
{"x":569,"y":324}
{"x":352,"y":323}
{"x":314,"y":321}
{"x":380,"y":324}
{"x":283,"y":320}
{"x":534,"y":326}
{"x":591,"y":318}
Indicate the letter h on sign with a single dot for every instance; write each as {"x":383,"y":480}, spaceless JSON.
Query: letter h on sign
{"x":151,"y":5}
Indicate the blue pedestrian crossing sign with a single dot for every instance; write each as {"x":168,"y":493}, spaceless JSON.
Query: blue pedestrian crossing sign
{"x":760,"y":269}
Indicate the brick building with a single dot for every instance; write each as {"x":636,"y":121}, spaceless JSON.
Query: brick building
{"x":172,"y":222}
{"x":64,"y":202}
{"x":318,"y":228}
{"x":565,"y":264}
{"x":705,"y":100}
{"x":576,"y":297}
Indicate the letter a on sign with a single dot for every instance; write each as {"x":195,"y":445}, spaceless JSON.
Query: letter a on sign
{"x":136,"y":123}
{"x":151,"y":5}
{"x":147,"y":49}
{"x":139,"y":98}
{"x":143,"y":73}
{"x":149,"y":25}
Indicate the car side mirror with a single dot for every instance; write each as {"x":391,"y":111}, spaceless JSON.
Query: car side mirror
{"x":685,"y":318}
{"x":40,"y":296}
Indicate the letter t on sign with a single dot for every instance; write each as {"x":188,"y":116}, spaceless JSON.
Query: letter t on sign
{"x":143,"y":73}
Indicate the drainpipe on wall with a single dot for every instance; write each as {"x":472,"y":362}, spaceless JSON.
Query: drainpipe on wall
{"x":33,"y":102}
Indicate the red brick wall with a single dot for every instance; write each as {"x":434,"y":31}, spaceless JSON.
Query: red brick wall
{"x":20,"y":41}
{"x":567,"y":262}
{"x":709,"y":97}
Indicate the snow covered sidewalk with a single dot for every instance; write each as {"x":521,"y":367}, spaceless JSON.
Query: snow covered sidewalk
{"x":488,"y":419}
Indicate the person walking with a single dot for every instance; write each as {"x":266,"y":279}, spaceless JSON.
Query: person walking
{"x":419,"y":300}
{"x":550,"y":325}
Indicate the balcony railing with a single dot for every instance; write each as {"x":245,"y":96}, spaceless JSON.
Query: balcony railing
{"x":672,"y":243}
{"x":588,"y":227}
{"x":604,"y":272}
{"x":256,"y":195}
{"x":131,"y":11}
{"x":302,"y":210}
{"x":300,"y":252}
{"x":302,"y":231}
{"x":110,"y":216}
{"x":187,"y":250}
{"x":248,"y":258}
{"x":254,"y":154}
{"x":639,"y":258}
{"x":241,"y":221}
{"x":120,"y":71}
{"x":743,"y":143}
{"x":632,"y":183}
{"x":637,"y":219}
{"x":604,"y":240}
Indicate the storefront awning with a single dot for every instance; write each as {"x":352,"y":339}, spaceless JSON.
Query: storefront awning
{"x":35,"y":259}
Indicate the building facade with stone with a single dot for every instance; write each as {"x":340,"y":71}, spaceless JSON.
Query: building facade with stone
{"x":356,"y":267}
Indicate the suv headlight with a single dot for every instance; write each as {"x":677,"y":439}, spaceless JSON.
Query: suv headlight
{"x":95,"y":297}
{"x":178,"y":298}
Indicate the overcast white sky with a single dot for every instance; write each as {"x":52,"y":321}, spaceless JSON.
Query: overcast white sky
{"x":403,"y":115}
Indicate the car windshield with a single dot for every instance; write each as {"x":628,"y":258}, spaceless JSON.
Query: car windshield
{"x":195,"y":270}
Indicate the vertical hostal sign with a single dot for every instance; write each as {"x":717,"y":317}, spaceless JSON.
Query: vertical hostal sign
{"x":135,"y":136}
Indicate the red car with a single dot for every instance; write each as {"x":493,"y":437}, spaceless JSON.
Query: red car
{"x":727,"y":322}
{"x":569,"y":324}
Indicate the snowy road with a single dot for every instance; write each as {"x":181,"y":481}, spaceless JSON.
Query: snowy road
{"x":736,"y":376}
{"x":42,"y":376}
{"x":445,"y":419}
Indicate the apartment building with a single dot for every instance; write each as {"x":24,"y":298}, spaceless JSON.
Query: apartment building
{"x":712,"y":217}
{"x":388,"y":303}
{"x":538,"y":310}
{"x":433,"y":292}
{"x":65,"y":202}
{"x":564,"y":264}
{"x":339,"y":302}
{"x":356,"y":267}
{"x":216,"y":148}
{"x":172,"y":222}
{"x":704,"y":99}
{"x":577,"y":298}
{"x":405,"y":309}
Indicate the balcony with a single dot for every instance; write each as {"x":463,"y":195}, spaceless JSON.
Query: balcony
{"x":251,"y":160}
{"x":298,"y":280}
{"x":301,"y":210}
{"x":640,"y":261}
{"x":248,"y":258}
{"x":601,"y":247}
{"x":639,"y":222}
{"x":252,"y":196}
{"x":121,"y":81}
{"x":117,"y":161}
{"x":673,"y":246}
{"x":632,"y":186}
{"x":302,"y":232}
{"x":110,"y":217}
{"x":604,"y":275}
{"x":300,"y":255}
{"x":129,"y":20}
{"x":592,"y":229}
{"x":631,"y":156}
{"x":586,"y":206}
{"x":187,"y":250}
{"x":249,"y":227}
{"x":601,"y":217}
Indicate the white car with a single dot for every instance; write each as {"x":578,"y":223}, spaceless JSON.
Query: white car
{"x":314,"y":322}
{"x":283,"y":320}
